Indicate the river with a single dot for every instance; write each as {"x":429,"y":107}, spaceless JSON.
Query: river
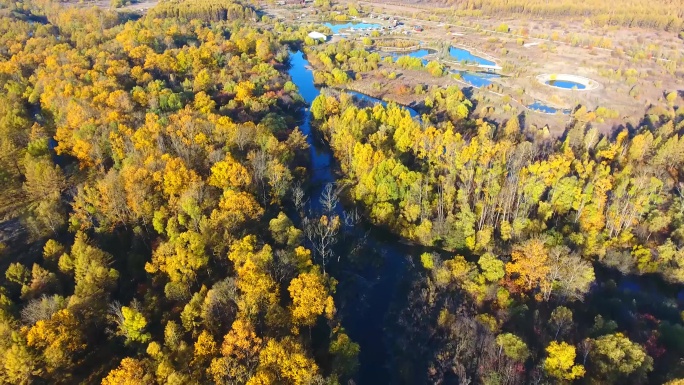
{"x":368,"y":296}
{"x":366,"y":299}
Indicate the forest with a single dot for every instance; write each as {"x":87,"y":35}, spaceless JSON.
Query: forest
{"x":658,"y":14}
{"x":161,"y":221}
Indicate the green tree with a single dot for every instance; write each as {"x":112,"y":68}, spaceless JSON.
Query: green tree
{"x":131,"y":324}
{"x":512,"y":346}
{"x":492,"y":267}
{"x":615,"y":356}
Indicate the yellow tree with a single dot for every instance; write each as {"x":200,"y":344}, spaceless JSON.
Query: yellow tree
{"x":529,"y":266}
{"x":229,"y":173}
{"x":284,"y":361}
{"x":129,"y":372}
{"x":180,"y":258}
{"x":259,"y":291}
{"x":240,"y":355}
{"x":205,"y":349}
{"x":59,"y":339}
{"x":560,"y":362}
{"x":310,"y":297}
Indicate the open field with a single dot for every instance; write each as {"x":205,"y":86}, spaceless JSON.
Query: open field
{"x":633,"y":69}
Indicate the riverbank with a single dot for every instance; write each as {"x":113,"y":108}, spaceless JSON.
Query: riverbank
{"x":373,"y":291}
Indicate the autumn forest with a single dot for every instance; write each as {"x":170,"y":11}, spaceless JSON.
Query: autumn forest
{"x":165,"y":218}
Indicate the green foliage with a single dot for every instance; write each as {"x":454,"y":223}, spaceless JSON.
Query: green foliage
{"x":492,"y":267}
{"x":513,"y":347}
{"x":427,"y":260}
{"x":615,"y":356}
{"x":133,"y":325}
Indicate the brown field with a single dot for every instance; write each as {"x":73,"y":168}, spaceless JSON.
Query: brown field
{"x":553,"y":52}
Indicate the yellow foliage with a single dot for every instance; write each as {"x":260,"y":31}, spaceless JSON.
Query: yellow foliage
{"x":529,"y":266}
{"x":309,"y":297}
{"x":129,"y":372}
{"x":286,"y":360}
{"x":229,"y":173}
{"x":560,"y":362}
{"x":59,"y":338}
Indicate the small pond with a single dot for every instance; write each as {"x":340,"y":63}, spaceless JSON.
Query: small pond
{"x":541,"y":107}
{"x":420,"y":54}
{"x":463,"y":55}
{"x":477,"y":79}
{"x":567,"y":84}
{"x":369,"y":100}
{"x":354,"y":26}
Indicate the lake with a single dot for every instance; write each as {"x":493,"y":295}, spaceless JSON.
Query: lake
{"x":462,"y":55}
{"x":337,"y":27}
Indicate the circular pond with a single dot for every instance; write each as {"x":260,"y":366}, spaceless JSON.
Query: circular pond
{"x":567,"y":82}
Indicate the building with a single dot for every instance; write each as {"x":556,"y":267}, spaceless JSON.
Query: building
{"x":317,"y":36}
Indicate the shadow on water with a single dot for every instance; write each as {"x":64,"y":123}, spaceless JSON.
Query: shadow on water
{"x":368,"y":295}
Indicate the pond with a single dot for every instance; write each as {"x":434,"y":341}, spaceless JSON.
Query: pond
{"x":354,"y":26}
{"x":365,"y":99}
{"x":567,"y":84}
{"x":462,"y":55}
{"x":476,"y":79}
{"x":541,"y":107}
{"x":420,"y":54}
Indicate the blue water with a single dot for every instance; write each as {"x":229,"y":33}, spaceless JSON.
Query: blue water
{"x":420,"y":54}
{"x":302,"y":77}
{"x":541,"y":107}
{"x":336,"y":28}
{"x":365,"y":316}
{"x":477,"y":79}
{"x":372,"y":100}
{"x":566,"y":84}
{"x":462,"y":55}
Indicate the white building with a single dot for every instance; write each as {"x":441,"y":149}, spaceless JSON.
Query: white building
{"x":317,"y":36}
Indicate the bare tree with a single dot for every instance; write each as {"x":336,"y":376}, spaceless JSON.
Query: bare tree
{"x":258,"y":161}
{"x":352,"y":218}
{"x":244,"y":134}
{"x":585,"y":347}
{"x":329,"y":198}
{"x":298,"y":197}
{"x":116,"y":315}
{"x":42,"y":308}
{"x":322,"y":233}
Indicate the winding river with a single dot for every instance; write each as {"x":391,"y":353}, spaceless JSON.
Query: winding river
{"x":374,"y":288}
{"x":369,"y":292}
